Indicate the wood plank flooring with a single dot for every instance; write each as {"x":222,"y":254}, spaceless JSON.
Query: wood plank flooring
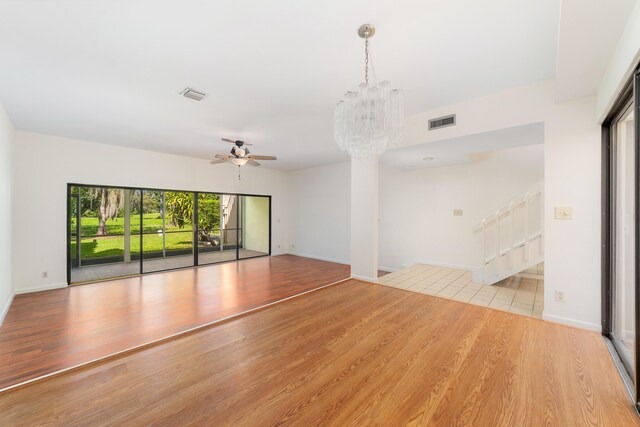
{"x":350,"y":354}
{"x":48,"y":331}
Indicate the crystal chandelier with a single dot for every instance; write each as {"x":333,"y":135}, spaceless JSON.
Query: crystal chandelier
{"x":369,"y":120}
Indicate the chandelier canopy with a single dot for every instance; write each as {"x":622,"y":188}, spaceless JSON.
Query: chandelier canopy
{"x":371,"y":119}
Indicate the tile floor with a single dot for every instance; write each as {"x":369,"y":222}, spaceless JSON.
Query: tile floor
{"x":516,"y":295}
{"x":536,"y":270}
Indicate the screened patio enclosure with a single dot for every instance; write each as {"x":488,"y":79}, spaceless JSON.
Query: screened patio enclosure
{"x":120,"y":231}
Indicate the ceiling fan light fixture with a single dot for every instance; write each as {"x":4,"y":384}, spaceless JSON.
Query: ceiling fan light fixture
{"x":240,"y":155}
{"x":239,"y":162}
{"x":241,"y":152}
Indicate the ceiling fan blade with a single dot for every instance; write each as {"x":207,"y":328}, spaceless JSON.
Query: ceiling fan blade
{"x":214,"y":162}
{"x":223,"y":156}
{"x":253,"y":163}
{"x":257,"y":157}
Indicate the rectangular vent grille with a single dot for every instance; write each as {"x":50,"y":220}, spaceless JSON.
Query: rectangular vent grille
{"x":442,"y":122}
{"x":193,"y":94}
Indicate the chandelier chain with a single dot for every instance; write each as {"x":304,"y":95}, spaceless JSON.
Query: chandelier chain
{"x":366,"y":60}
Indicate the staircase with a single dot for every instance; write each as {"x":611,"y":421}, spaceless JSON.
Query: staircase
{"x":511,"y":237}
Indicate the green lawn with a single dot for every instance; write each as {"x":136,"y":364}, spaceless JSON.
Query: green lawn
{"x":97,"y":247}
{"x":93,"y":246}
{"x":151,"y":222}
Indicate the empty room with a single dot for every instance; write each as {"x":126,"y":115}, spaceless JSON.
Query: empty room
{"x":256,"y":213}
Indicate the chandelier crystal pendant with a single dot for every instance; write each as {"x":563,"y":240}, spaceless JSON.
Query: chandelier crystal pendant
{"x":371,"y":119}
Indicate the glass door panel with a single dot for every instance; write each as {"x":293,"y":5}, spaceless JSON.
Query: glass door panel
{"x":167,"y":230}
{"x":623,"y":292}
{"x":228,"y":227}
{"x":210,"y":242}
{"x":254,"y":231}
{"x":102,"y":226}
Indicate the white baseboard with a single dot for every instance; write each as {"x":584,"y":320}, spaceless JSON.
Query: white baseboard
{"x":5,"y":309}
{"x":387,"y":269}
{"x":366,"y":279}
{"x":47,"y":287}
{"x":572,"y":322}
{"x":280,"y":253}
{"x":337,"y":261}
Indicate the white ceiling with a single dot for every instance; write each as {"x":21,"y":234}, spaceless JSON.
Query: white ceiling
{"x":110,"y":71}
{"x":589,"y":33}
{"x":464,"y":149}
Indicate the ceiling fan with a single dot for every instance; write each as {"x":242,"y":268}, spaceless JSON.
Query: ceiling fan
{"x":240,"y":155}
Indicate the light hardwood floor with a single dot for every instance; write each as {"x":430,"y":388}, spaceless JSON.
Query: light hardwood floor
{"x":45,"y":332}
{"x":351,"y":354}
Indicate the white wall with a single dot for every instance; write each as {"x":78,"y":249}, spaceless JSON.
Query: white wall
{"x":572,"y":248}
{"x":45,"y":164}
{"x":6,"y":251}
{"x":317,"y":223}
{"x":416,"y":206}
{"x":320,"y":211}
{"x":420,"y":199}
{"x":514,"y":107}
{"x":623,"y":61}
{"x":572,"y":178}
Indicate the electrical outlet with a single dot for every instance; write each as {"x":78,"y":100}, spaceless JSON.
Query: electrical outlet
{"x":560,"y":296}
{"x":457,"y":212}
{"x":45,"y":274}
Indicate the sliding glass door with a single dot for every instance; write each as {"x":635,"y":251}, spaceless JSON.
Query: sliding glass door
{"x":623,"y":289}
{"x":620,"y":267}
{"x":167,"y":224}
{"x":115,"y":231}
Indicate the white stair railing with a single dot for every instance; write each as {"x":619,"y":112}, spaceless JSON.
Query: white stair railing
{"x":511,"y":237}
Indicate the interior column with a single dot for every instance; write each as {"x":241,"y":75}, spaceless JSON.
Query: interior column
{"x":364,"y":219}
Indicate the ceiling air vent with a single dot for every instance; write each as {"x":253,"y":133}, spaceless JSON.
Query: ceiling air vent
{"x":193,"y":94}
{"x":442,"y":122}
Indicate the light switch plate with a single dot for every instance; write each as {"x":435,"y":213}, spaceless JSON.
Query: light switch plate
{"x":564,"y":212}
